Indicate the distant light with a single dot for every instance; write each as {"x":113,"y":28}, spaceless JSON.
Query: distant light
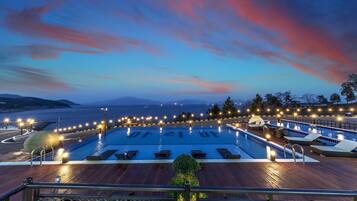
{"x":6,"y":120}
{"x":339,"y":118}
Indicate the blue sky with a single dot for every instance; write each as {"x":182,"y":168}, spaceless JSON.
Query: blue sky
{"x":166,"y":50}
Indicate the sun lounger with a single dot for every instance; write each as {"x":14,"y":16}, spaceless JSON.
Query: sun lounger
{"x":198,"y":154}
{"x":307,"y":140}
{"x":103,"y":156}
{"x":163,"y":154}
{"x":345,"y":148}
{"x":127,"y":155}
{"x":226,"y":154}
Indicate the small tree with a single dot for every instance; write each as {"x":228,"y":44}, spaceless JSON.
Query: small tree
{"x":347,"y":91}
{"x":185,"y":169}
{"x":215,"y":110}
{"x":257,"y":103}
{"x":335,"y":98}
{"x":228,"y":106}
{"x":186,"y":164}
{"x":321,"y":99}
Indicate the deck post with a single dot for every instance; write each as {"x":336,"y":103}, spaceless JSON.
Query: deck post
{"x":28,"y":194}
{"x":187,"y":192}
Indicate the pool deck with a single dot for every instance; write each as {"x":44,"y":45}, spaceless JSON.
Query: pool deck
{"x":329,"y":173}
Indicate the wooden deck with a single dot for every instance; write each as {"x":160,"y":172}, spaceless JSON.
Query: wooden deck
{"x":329,"y":173}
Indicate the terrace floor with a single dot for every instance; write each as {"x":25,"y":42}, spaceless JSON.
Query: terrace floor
{"x":329,"y":173}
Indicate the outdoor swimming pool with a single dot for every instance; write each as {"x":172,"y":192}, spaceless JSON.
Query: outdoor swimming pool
{"x":178,"y":139}
{"x":328,"y":132}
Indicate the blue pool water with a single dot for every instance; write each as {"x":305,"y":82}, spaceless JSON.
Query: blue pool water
{"x":324,"y":131}
{"x":179,"y":140}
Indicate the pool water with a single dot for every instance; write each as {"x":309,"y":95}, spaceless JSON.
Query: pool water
{"x":334,"y":133}
{"x":178,"y":139}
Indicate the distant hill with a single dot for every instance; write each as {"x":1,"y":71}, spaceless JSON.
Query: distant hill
{"x":127,"y":101}
{"x":67,"y":102}
{"x":10,"y":96}
{"x":11,"y":102}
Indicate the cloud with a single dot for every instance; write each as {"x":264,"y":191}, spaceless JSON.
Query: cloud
{"x":197,"y":85}
{"x":28,"y":78}
{"x":42,"y":52}
{"x":29,"y":22}
{"x":311,"y":44}
{"x":269,"y":27}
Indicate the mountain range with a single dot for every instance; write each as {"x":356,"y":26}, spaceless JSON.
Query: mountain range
{"x":12,"y":102}
{"x":126,"y":101}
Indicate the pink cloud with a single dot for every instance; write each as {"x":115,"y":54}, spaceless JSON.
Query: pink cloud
{"x":40,"y":52}
{"x":30,"y":23}
{"x":18,"y":77}
{"x":201,"y":86}
{"x":304,"y":42}
{"x":307,"y":48}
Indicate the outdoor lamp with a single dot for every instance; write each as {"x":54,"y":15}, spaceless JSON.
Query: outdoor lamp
{"x":65,"y":157}
{"x":267,"y":137}
{"x":272,"y":154}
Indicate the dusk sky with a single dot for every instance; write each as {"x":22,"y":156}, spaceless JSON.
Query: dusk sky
{"x":94,"y":50}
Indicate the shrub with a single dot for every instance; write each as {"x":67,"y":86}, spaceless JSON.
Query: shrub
{"x":186,"y":164}
{"x":40,"y":140}
{"x":181,"y":179}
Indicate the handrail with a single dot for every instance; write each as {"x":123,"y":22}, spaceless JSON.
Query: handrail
{"x":292,"y":151}
{"x":12,"y":192}
{"x":42,"y":153}
{"x":165,"y":188}
{"x":301,"y":149}
{"x":35,"y":187}
{"x":31,"y":156}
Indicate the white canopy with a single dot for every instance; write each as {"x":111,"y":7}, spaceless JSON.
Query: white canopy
{"x":256,"y":121}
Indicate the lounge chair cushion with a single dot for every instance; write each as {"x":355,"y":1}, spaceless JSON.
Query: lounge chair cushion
{"x":301,"y":139}
{"x":103,"y":156}
{"x":308,"y":138}
{"x":347,"y":145}
{"x":328,"y":148}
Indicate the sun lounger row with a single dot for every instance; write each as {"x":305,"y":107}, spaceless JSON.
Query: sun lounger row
{"x":226,"y":154}
{"x":345,"y":148}
{"x":163,"y":154}
{"x":103,"y":156}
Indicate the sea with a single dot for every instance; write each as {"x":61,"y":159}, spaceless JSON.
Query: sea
{"x":65,"y":117}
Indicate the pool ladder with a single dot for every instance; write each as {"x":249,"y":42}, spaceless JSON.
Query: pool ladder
{"x":293,"y":151}
{"x":42,"y":155}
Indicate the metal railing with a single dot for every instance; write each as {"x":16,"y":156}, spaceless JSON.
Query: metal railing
{"x":32,"y":191}
{"x":331,"y":123}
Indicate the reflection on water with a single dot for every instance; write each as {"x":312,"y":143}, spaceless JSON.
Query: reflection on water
{"x":268,"y":152}
{"x":100,"y":144}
